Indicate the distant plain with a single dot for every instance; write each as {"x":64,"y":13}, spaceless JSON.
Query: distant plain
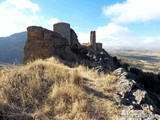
{"x":147,"y":60}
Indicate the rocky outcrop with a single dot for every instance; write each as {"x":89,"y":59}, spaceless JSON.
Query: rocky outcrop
{"x":43,"y":43}
{"x":103,"y":62}
{"x":136,"y":102}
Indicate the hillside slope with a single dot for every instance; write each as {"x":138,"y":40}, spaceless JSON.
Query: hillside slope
{"x":11,"y":48}
{"x":47,"y":90}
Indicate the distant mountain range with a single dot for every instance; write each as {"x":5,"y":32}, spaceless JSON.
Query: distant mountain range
{"x":11,"y":48}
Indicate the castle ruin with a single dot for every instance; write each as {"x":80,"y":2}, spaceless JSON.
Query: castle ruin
{"x":63,"y":29}
{"x":93,"y":44}
{"x":67,"y":32}
{"x":43,"y":43}
{"x":62,"y":42}
{"x":93,"y":40}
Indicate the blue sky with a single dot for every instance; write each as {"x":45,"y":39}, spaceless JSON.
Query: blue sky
{"x":84,"y":15}
{"x":117,"y":22}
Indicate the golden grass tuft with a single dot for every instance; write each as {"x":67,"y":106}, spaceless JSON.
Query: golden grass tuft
{"x":76,"y":78}
{"x":47,"y":90}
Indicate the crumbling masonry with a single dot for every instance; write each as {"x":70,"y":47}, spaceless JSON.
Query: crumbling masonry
{"x":43,"y":43}
{"x":93,"y":39}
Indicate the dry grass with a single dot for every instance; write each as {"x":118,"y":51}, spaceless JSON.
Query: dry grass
{"x":48,"y":90}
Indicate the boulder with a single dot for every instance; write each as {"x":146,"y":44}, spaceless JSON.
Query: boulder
{"x":139,"y":95}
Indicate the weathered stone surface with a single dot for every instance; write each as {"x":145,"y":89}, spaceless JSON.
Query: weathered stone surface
{"x":74,"y":38}
{"x":43,"y":43}
{"x":101,"y":61}
{"x":131,"y":114}
{"x":93,"y":40}
{"x":63,"y":29}
{"x":139,"y":95}
{"x":118,"y":72}
{"x":135,"y":101}
{"x":98,"y":46}
{"x":67,"y":32}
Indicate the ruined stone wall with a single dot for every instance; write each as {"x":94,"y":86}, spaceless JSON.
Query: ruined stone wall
{"x":43,"y":43}
{"x":99,"y":46}
{"x":74,"y":38}
{"x":93,"y":39}
{"x":63,"y":29}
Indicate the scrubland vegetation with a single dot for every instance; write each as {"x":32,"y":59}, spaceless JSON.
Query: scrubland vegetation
{"x":49,"y":90}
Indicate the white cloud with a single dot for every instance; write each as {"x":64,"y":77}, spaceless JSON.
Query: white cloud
{"x":52,"y":21}
{"x":109,"y":35}
{"x":113,"y":36}
{"x":22,"y":5}
{"x":153,"y":42}
{"x":133,"y":11}
{"x":148,"y":40}
{"x":16,"y":15}
{"x":83,"y":37}
{"x":112,"y":31}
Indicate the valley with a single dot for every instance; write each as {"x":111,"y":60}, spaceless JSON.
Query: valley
{"x":147,"y":60}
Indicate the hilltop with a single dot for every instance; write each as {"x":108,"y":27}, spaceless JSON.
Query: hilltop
{"x":62,"y":79}
{"x":50,"y":90}
{"x":63,"y":43}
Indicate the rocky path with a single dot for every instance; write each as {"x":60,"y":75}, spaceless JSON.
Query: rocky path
{"x":135,"y":101}
{"x":125,"y":98}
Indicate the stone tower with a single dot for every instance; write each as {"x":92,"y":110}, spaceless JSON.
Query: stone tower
{"x":93,"y":39}
{"x":63,"y":29}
